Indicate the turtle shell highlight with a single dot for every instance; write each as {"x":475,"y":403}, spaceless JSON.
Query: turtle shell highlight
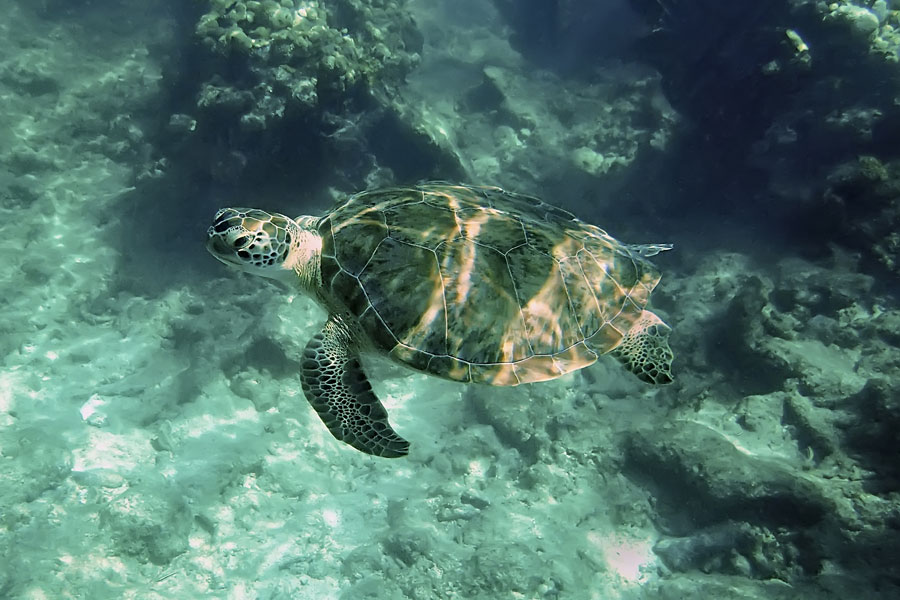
{"x":477,"y":284}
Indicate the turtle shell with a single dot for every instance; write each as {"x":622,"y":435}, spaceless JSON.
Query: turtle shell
{"x":479,"y":284}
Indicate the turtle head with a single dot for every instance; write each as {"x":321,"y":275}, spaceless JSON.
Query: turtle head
{"x":263,"y":243}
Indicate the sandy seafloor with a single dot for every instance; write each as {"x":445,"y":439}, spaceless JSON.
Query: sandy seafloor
{"x":154,"y":442}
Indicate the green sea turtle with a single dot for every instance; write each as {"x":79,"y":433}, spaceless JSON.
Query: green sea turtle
{"x":473,"y":284}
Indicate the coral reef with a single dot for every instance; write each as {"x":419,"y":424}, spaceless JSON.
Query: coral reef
{"x":280,"y":82}
{"x":306,"y":56}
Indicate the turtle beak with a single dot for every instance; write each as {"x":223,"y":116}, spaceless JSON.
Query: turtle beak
{"x":219,"y":249}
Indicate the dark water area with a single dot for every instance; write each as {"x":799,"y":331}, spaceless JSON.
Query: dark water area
{"x":347,"y":425}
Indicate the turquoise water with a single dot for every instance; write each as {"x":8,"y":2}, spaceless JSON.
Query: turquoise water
{"x":154,"y":437}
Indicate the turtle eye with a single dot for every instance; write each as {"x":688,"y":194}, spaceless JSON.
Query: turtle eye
{"x":240,"y":241}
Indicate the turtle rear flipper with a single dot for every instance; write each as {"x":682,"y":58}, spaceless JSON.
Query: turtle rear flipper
{"x":337,"y":388}
{"x":645,"y":350}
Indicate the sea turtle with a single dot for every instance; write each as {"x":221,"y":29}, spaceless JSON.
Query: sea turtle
{"x":473,"y":284}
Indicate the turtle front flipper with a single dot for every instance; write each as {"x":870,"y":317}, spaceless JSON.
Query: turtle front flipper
{"x":645,"y":350}
{"x":336,"y":386}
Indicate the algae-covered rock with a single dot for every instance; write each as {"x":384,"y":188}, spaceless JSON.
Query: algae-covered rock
{"x":733,"y":548}
{"x":870,"y":432}
{"x":702,"y":477}
{"x":288,"y":86}
{"x":37,"y":461}
{"x":294,"y":47}
{"x":862,"y":21}
{"x":861,"y":203}
{"x":149,"y":521}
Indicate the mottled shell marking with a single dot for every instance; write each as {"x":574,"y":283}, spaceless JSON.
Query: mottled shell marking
{"x":479,"y":284}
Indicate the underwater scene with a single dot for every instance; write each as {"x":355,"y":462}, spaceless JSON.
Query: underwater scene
{"x":450,"y":299}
